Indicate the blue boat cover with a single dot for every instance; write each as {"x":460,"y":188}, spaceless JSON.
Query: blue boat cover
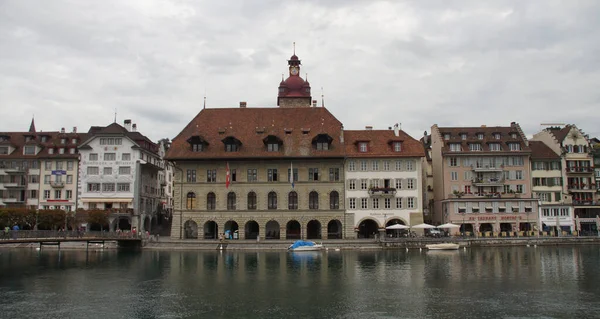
{"x":300,"y":243}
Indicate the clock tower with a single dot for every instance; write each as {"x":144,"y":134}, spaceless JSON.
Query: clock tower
{"x":294,"y":91}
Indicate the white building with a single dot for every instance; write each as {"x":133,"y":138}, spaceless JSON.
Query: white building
{"x":119,"y":170}
{"x":383,"y":179}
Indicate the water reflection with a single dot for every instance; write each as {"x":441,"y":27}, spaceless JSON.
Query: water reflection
{"x":493,"y":282}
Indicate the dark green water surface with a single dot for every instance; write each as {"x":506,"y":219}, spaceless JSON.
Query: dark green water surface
{"x":521,"y":282}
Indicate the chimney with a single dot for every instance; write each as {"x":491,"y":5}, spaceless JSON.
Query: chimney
{"x":134,"y":128}
{"x":242,"y":104}
{"x":368,"y":128}
{"x":62,"y":130}
{"x":127,"y":124}
{"x":483,"y":126}
{"x":397,"y":129}
{"x":74,"y":129}
{"x":314,"y":103}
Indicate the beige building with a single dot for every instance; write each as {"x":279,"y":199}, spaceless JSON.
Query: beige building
{"x":267,"y":173}
{"x":482,"y":179}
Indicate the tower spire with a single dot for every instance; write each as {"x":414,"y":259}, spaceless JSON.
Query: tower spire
{"x":294,"y":47}
{"x":32,"y":126}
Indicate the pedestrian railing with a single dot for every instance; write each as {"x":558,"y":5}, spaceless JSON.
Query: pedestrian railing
{"x":55,"y":234}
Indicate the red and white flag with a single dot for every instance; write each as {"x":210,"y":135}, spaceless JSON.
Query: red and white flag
{"x":227,"y":176}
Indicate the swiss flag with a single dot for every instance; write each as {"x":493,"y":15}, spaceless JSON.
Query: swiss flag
{"x":227,"y":176}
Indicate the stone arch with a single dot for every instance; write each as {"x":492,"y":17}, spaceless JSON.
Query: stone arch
{"x":486,"y":227}
{"x":251,"y":229}
{"x":211,"y":230}
{"x":367,"y":228}
{"x":293,"y":229}
{"x":231,"y":230}
{"x":123,"y":223}
{"x":334,"y":229}
{"x":313,"y":229}
{"x":272,"y":230}
{"x":395,"y":232}
{"x":190,"y":230}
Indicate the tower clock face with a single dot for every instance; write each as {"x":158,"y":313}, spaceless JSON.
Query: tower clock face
{"x":294,"y":70}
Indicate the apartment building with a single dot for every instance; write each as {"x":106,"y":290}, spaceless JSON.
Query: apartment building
{"x":577,"y":165}
{"x":556,"y":212}
{"x":383,"y":180}
{"x":482,"y":179}
{"x":119,"y":172}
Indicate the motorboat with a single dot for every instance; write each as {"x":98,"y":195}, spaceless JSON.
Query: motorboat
{"x":303,"y":245}
{"x":443,"y":246}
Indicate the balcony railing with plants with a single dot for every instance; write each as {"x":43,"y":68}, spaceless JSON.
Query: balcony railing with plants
{"x":580,"y":169}
{"x":582,"y":186}
{"x":382,"y":191}
{"x":488,"y":181}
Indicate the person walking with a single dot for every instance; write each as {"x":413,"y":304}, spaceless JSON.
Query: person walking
{"x":15,"y":229}
{"x":6,"y":232}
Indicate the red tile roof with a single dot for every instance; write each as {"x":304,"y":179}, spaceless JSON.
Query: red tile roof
{"x":539,"y":150}
{"x":17,"y":140}
{"x":251,"y":125}
{"x":488,"y":138}
{"x":380,"y":144}
{"x":116,"y":129}
{"x":560,"y":133}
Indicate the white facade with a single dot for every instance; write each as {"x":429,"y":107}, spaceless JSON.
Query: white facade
{"x":58,"y":184}
{"x":384,"y":190}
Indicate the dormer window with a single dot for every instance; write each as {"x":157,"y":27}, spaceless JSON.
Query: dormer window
{"x":197,"y":143}
{"x":29,"y":150}
{"x":455,"y":147}
{"x":4,"y":138}
{"x":463,"y":136}
{"x":475,"y":147}
{"x":446,"y":136}
{"x":44,"y":139}
{"x":63,"y":141}
{"x":61,"y":150}
{"x":480,"y":136}
{"x":363,"y":147}
{"x":273,"y":143}
{"x":232,"y":144}
{"x":50,"y":151}
{"x":397,"y":146}
{"x":495,"y":147}
{"x":27,"y":138}
{"x":322,"y":142}
{"x":72,"y":151}
{"x":497,"y":136}
{"x":74,"y":141}
{"x":513,"y":135}
{"x":514,"y":146}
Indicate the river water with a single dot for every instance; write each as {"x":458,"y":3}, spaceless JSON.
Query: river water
{"x":516,"y":282}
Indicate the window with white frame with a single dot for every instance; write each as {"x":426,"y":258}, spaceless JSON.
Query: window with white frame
{"x":497,"y":136}
{"x":520,"y":188}
{"x":386,"y":165}
{"x":480,"y":136}
{"x":351,"y":166}
{"x":352,"y":184}
{"x":495,"y":147}
{"x":375,"y":183}
{"x":410,"y":183}
{"x":69,"y":179}
{"x":352,"y":203}
{"x":363,"y":165}
{"x":46,"y":194}
{"x":375,"y":165}
{"x":126,"y":157}
{"x":399,"y":202}
{"x":107,"y":171}
{"x":375,"y":203}
{"x":454,"y":176}
{"x":387,"y":202}
{"x":475,"y":147}
{"x":362,"y":147}
{"x":93,"y":156}
{"x":48,"y":165}
{"x":453,"y":162}
{"x":519,"y":175}
{"x":123,"y":187}
{"x":398,"y":165}
{"x":463,"y":136}
{"x":109,"y":156}
{"x":410,"y":165}
{"x":398,"y":183}
{"x":364,"y":203}
{"x":446,"y":136}
{"x":108,"y":187}
{"x":397,"y":146}
{"x":29,"y":150}
{"x":124,"y":170}
{"x":363,"y":183}
{"x":93,"y":170}
{"x":93,"y":187}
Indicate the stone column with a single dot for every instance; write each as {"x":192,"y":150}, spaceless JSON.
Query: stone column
{"x":282,"y":232}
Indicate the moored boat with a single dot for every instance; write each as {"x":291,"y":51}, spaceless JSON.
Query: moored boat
{"x":303,"y":245}
{"x":443,"y":246}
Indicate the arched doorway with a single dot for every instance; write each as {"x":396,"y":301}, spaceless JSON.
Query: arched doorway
{"x":190,"y":230}
{"x":395,"y":232}
{"x":292,"y":230}
{"x":466,"y":229}
{"x":124,"y":223}
{"x":506,"y":227}
{"x":525,"y":227}
{"x":368,"y":228}
{"x":231,"y":230}
{"x":272,"y":230}
{"x":211,"y":230}
{"x":486,"y":227}
{"x":251,"y":230}
{"x":334,"y":229}
{"x":313,"y":230}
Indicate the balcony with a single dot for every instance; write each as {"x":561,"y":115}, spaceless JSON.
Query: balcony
{"x":582,"y":187}
{"x":56,"y":184}
{"x":488,"y":168}
{"x":585,"y":202}
{"x":12,"y":200}
{"x":15,"y":170}
{"x":382,"y":191}
{"x":579,"y":169}
{"x":494,"y":181}
{"x":14,"y":185}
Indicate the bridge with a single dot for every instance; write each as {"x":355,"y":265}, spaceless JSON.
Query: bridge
{"x":55,"y":238}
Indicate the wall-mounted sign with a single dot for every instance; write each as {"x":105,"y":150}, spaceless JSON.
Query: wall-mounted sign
{"x":59,"y":172}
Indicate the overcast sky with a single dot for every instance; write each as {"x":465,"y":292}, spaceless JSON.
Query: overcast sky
{"x":454,"y":63}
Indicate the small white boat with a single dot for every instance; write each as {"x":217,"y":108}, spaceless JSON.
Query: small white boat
{"x":444,"y":246}
{"x":302,"y":245}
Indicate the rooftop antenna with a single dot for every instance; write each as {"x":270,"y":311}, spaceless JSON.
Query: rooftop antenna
{"x":322,"y":98}
{"x":204,"y":99}
{"x":294,"y":47}
{"x":306,"y":76}
{"x":115,"y":116}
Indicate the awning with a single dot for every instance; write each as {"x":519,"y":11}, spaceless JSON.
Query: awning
{"x":527,"y":206}
{"x":489,"y":207}
{"x":107,"y":200}
{"x":502,"y":207}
